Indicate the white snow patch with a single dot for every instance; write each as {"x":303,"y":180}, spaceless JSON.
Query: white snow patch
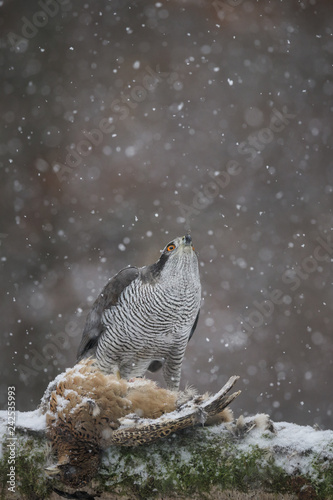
{"x":32,"y":420}
{"x":293,"y":445}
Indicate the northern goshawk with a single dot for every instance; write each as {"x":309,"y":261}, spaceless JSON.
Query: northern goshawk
{"x":144,"y":317}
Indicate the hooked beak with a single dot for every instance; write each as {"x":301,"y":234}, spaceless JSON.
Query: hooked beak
{"x":52,"y":470}
{"x":187,"y":240}
{"x":187,"y":243}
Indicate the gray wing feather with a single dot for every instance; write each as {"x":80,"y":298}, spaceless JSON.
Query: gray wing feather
{"x":194,"y":325}
{"x":108,"y":298}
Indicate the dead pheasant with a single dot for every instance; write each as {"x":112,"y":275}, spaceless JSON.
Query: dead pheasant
{"x":87,"y":411}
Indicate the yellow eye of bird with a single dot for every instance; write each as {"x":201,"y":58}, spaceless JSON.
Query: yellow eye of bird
{"x":171,"y":247}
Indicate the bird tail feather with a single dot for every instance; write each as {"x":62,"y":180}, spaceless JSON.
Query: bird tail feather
{"x":144,"y":431}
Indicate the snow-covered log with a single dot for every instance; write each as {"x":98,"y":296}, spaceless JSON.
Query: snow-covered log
{"x":234,"y":461}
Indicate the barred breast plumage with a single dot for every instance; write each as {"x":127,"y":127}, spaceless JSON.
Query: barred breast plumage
{"x":145,"y":316}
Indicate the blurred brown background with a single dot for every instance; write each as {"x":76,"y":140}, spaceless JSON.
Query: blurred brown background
{"x":181,"y":92}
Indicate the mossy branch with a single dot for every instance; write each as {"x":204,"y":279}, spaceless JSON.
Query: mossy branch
{"x":203,"y":462}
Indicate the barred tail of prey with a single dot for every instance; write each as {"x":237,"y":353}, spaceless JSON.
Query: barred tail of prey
{"x":143,"y":431}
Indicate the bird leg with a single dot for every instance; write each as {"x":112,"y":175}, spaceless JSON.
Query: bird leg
{"x":172,"y":367}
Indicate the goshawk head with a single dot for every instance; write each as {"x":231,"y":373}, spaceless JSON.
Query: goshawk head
{"x":177,"y":257}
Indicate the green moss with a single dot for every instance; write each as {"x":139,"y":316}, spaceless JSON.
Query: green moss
{"x":3,"y":477}
{"x":323,"y":467}
{"x":31,"y":483}
{"x":188,"y":465}
{"x":161,"y":469}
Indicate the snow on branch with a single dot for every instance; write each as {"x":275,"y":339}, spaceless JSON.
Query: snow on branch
{"x":240,"y":457}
